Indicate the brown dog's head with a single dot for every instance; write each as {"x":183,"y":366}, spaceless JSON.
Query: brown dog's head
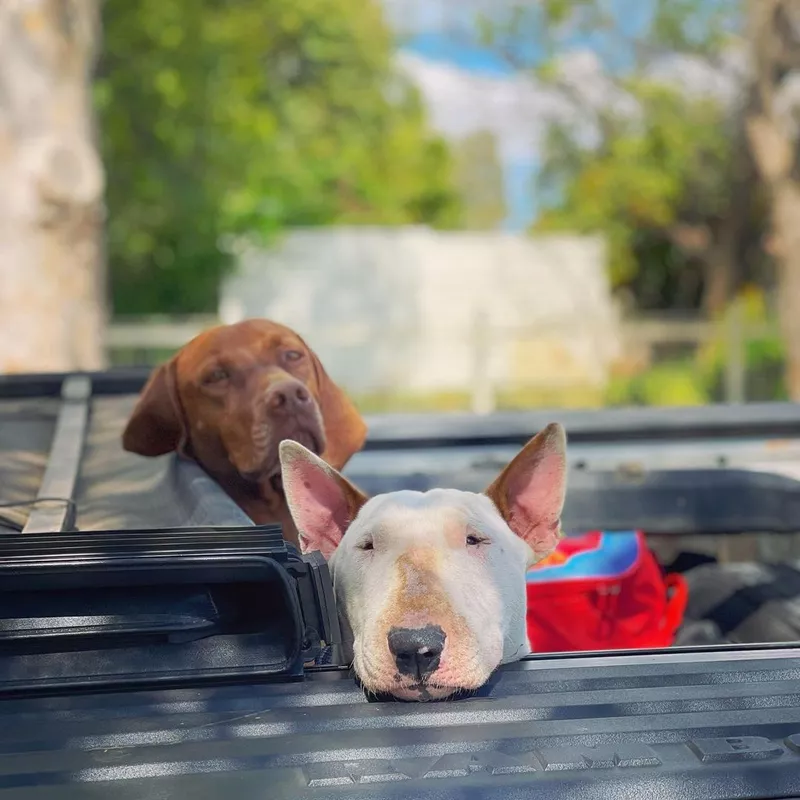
{"x":230,"y":396}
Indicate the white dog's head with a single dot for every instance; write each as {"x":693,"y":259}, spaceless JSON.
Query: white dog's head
{"x":430,"y":586}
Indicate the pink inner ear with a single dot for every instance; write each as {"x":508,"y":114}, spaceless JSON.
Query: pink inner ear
{"x":318,"y":505}
{"x":535,"y":499}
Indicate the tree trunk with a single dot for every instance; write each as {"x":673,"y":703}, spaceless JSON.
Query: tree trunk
{"x":774,"y":152}
{"x":725,"y":256}
{"x":52,"y":304}
{"x":786,"y":230}
{"x":719,"y":280}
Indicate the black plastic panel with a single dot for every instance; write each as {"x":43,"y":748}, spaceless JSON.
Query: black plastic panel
{"x":699,"y":726}
{"x":681,"y":502}
{"x":146,"y":608}
{"x":411,"y":431}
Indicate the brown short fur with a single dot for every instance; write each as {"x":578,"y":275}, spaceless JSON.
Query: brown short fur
{"x":229,"y":397}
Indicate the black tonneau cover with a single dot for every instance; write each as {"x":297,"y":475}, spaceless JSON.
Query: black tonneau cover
{"x":688,"y":726}
{"x":120,"y":571}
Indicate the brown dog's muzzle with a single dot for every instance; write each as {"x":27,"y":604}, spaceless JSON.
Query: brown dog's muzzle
{"x":289,"y":398}
{"x":291,"y":411}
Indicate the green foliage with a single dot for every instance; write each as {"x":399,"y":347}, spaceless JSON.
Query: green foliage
{"x":672,"y":383}
{"x":225,"y":117}
{"x":654,"y":175}
{"x":764,"y":355}
{"x":650,"y":173}
{"x":701,"y":378}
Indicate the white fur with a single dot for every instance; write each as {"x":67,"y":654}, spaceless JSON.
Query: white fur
{"x":406,"y":519}
{"x":421,"y":571}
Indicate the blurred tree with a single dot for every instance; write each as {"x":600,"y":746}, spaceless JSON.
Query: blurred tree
{"x":479,"y":176}
{"x":658,"y":164}
{"x":250,"y":117}
{"x":672,"y":190}
{"x":51,"y":189}
{"x":773,"y":117}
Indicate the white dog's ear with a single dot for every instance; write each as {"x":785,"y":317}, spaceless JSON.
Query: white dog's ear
{"x":322,"y":502}
{"x":529,"y":492}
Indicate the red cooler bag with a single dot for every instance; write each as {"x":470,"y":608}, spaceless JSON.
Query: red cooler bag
{"x":603,"y":591}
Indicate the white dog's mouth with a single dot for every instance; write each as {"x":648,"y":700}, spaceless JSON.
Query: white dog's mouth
{"x":422,"y":692}
{"x":419,"y":667}
{"x":426,"y":692}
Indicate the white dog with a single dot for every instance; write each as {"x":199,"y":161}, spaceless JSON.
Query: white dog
{"x":430,"y":587}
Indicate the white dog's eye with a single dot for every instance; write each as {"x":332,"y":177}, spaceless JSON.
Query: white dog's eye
{"x":366,"y":545}
{"x":473,"y":540}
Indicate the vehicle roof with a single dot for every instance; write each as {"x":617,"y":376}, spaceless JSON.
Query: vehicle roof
{"x":64,"y":432}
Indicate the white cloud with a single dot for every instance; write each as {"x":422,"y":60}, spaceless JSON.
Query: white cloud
{"x":516,"y":109}
{"x":698,"y":77}
{"x":589,"y":86}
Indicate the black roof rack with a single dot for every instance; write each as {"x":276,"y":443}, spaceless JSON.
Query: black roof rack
{"x":133,"y":572}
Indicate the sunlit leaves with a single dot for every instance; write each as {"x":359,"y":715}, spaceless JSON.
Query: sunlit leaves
{"x":645,"y":176}
{"x":660,"y":155}
{"x":251,"y":116}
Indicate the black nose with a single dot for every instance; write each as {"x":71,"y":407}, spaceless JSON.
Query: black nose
{"x":288,"y":396}
{"x":417,"y":651}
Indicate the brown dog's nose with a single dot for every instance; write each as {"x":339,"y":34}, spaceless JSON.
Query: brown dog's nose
{"x":288,"y":396}
{"x":417,"y":651}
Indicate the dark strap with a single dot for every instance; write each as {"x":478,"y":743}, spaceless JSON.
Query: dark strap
{"x":325,"y":657}
{"x":783,"y":584}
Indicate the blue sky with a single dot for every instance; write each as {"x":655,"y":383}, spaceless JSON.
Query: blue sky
{"x":437,"y":45}
{"x":519,"y":175}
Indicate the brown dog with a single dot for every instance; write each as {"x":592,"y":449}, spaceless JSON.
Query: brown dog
{"x":230,"y":396}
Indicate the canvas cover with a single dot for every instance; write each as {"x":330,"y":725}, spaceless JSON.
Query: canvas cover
{"x":115,"y":490}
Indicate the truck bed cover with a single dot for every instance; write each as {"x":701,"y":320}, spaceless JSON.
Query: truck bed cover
{"x":695,"y":725}
{"x":702,"y":723}
{"x":113,"y":489}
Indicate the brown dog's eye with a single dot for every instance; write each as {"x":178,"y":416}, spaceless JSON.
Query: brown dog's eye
{"x":473,"y":540}
{"x":216,"y":376}
{"x":292,"y":355}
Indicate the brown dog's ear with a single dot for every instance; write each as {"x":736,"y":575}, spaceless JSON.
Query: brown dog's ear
{"x":156,"y":425}
{"x":529,"y":492}
{"x":322,"y":502}
{"x":345,"y":430}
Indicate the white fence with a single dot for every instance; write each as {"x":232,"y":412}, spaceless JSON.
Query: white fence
{"x":146,"y":341}
{"x":429,"y":311}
